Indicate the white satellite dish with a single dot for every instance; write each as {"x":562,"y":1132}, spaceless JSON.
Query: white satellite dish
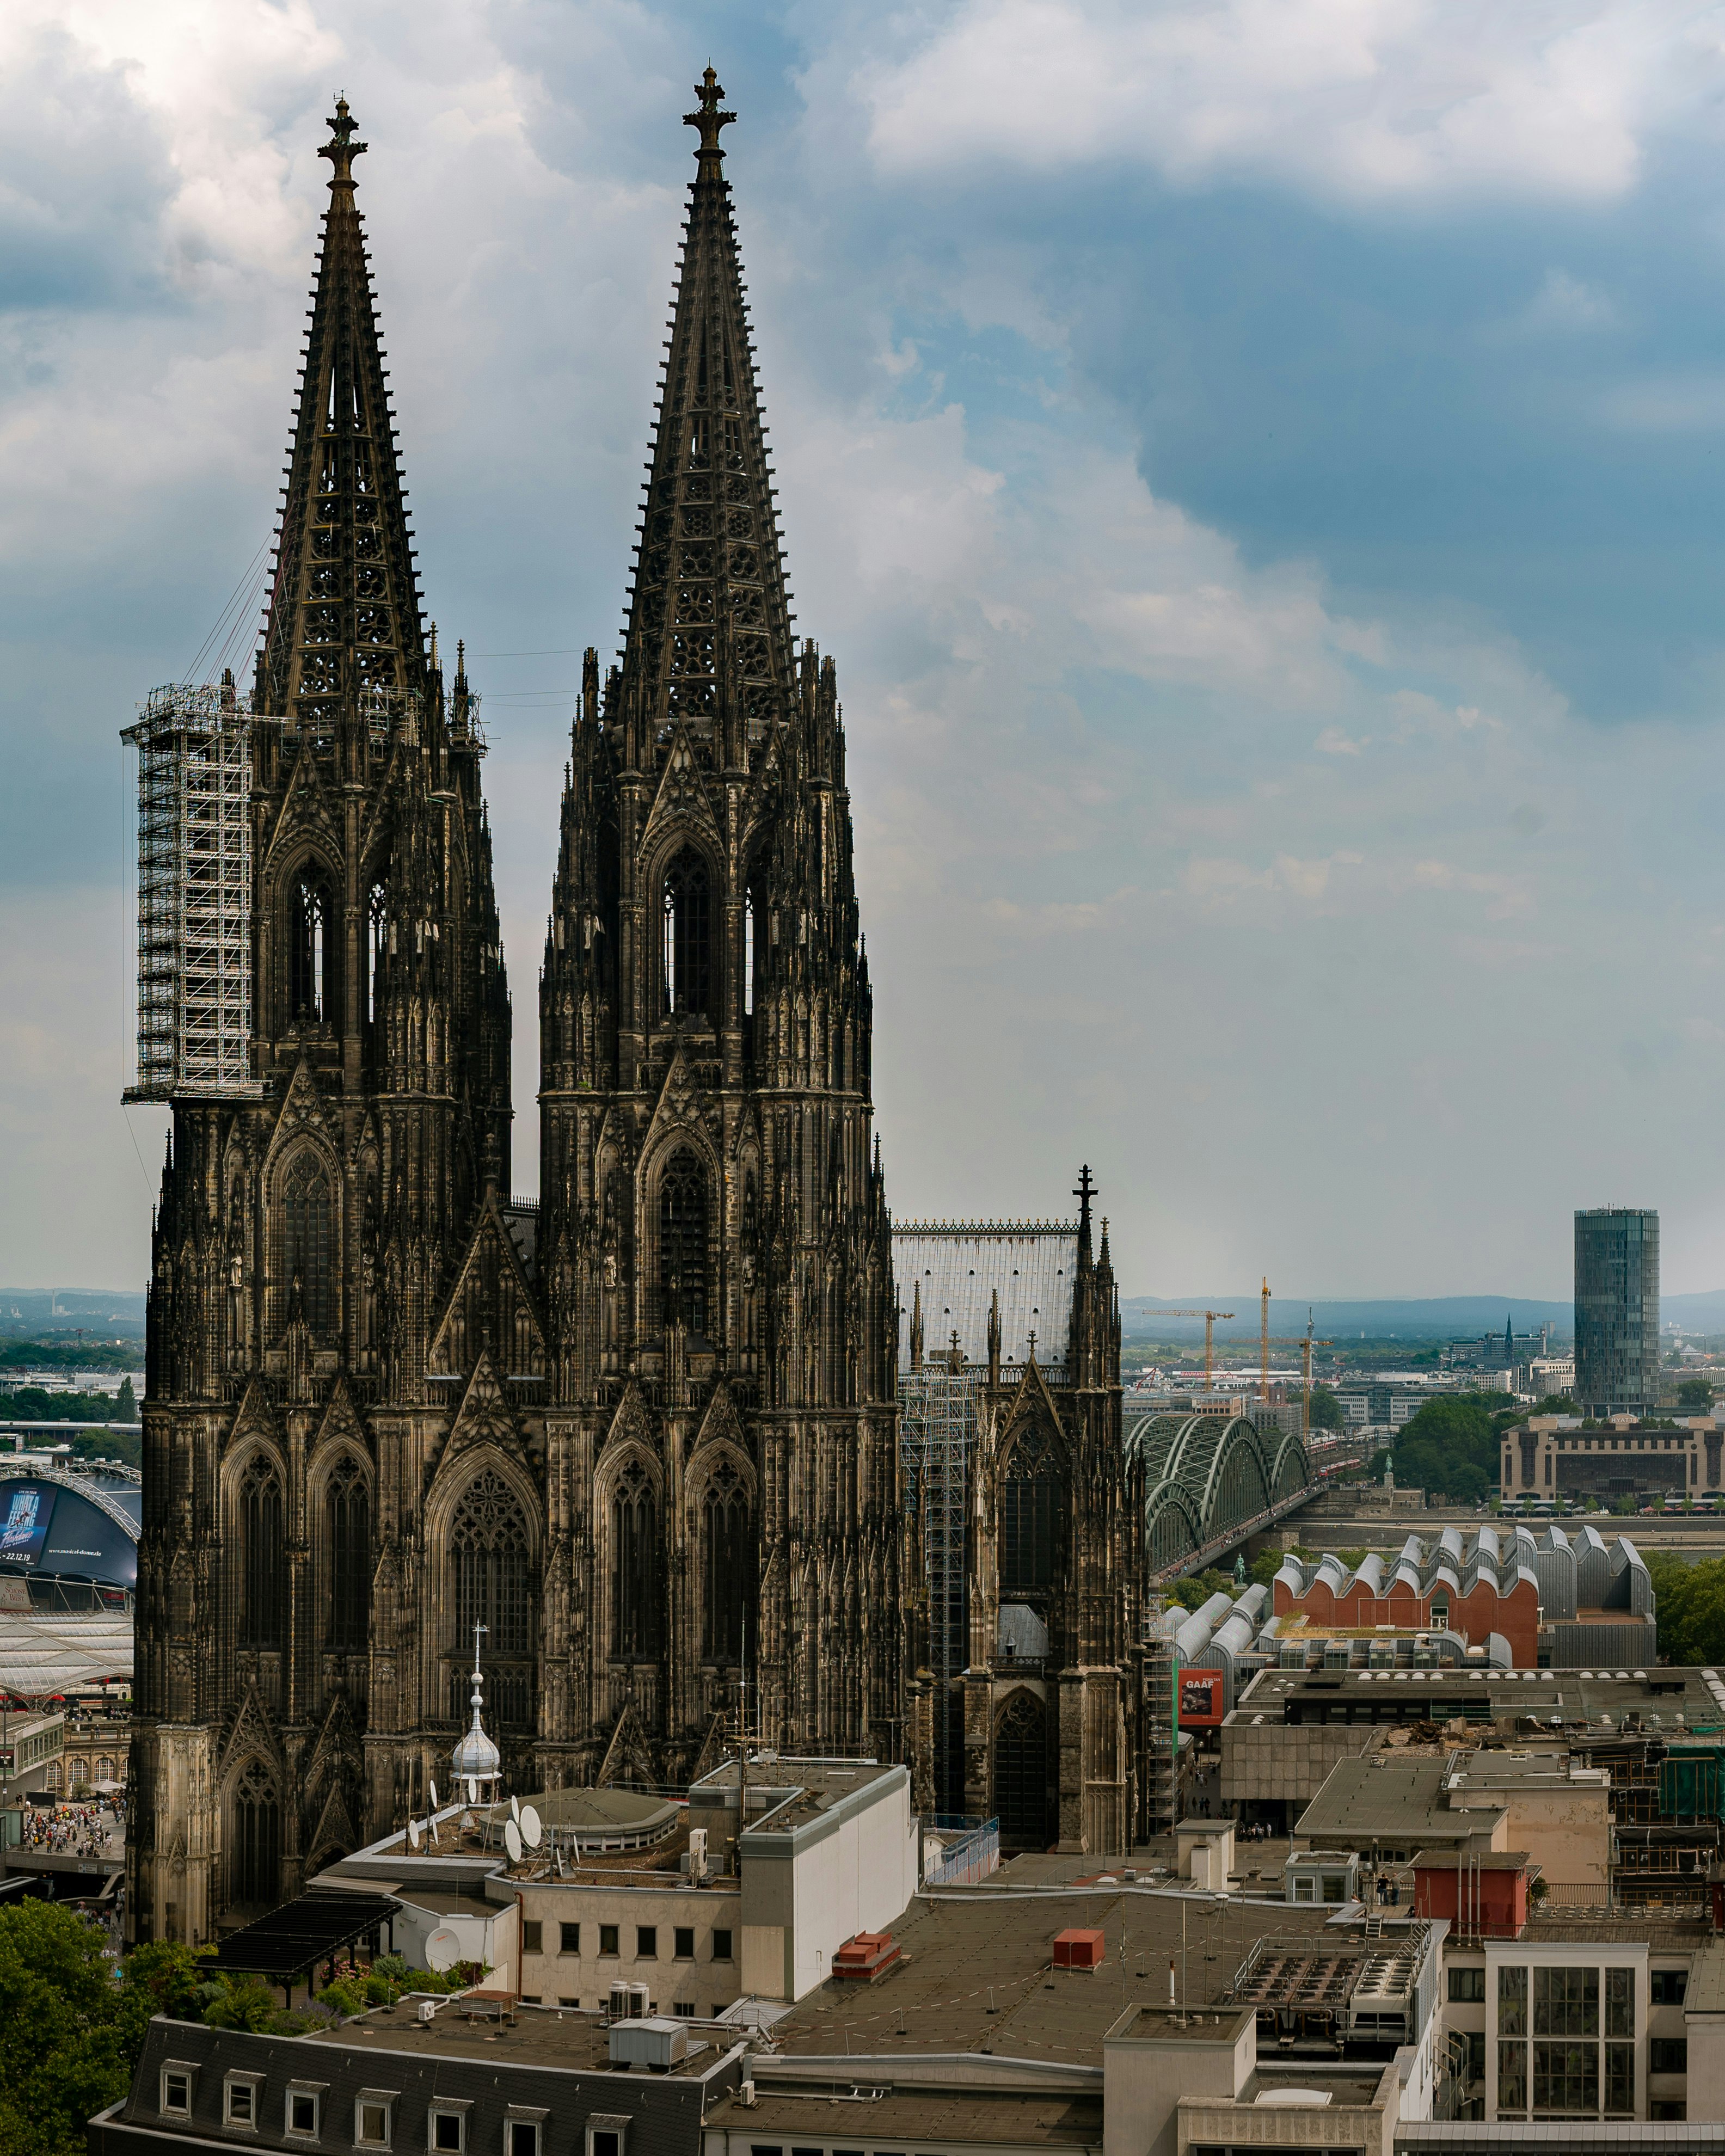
{"x":532,"y":1830}
{"x":515,"y":1809}
{"x":512,"y":1841}
{"x":472,"y":1791}
{"x":414,"y":1832}
{"x":434,"y":1796}
{"x":442,"y":1949}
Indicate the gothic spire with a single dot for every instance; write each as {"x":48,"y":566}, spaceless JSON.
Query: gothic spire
{"x":709,"y":632}
{"x":344,"y":606}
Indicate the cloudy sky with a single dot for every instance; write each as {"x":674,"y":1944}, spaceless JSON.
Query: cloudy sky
{"x":1257,"y":464}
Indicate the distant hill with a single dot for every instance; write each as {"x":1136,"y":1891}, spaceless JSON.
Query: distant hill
{"x":1434,"y":1317}
{"x":1437,"y":1318}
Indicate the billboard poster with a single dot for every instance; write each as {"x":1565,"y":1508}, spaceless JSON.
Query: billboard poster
{"x":25,"y":1511}
{"x":1200,"y":1696}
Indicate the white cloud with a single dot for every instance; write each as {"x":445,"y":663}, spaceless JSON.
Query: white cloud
{"x":1371,"y":99}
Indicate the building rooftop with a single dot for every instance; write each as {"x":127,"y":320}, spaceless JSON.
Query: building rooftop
{"x":492,"y":2027}
{"x":1658,"y":1699}
{"x":992,"y":2118}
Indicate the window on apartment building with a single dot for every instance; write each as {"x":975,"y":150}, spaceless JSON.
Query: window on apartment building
{"x":1467,"y":1986}
{"x":722,"y":1945}
{"x":646,"y":1942}
{"x":608,"y":1941}
{"x":533,"y":1933}
{"x":372,"y":2110}
{"x":1511,"y":2078}
{"x":1668,"y":1987}
{"x":683,"y":1943}
{"x":685,"y":2008}
{"x":569,"y":1938}
{"x":1668,"y":2108}
{"x":446,"y":2130}
{"x":1566,"y":2002}
{"x":1473,"y":2064}
{"x":521,"y":2138}
{"x":1620,"y":2002}
{"x":303,"y":2107}
{"x":241,"y":2093}
{"x":1566,"y":2078}
{"x":175,"y":2097}
{"x":568,"y":2002}
{"x":1513,"y":1998}
{"x":1668,"y":2055}
{"x":1619,"y":2081}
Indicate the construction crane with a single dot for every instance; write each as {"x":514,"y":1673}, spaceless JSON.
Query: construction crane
{"x":1209,"y":1317}
{"x":1263,"y":1339}
{"x":1304,"y":1342}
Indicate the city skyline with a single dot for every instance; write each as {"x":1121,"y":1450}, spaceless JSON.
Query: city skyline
{"x":1189,"y":705}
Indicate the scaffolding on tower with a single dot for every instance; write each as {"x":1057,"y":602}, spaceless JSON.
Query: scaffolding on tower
{"x":193,"y":743}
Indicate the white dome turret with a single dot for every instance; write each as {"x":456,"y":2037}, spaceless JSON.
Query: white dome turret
{"x":476,"y":1758}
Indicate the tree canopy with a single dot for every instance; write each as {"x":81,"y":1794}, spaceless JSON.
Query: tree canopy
{"x":1449,"y":1448}
{"x":1691,"y":1607}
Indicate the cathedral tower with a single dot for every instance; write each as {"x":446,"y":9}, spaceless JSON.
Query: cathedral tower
{"x":330,"y":1226}
{"x":714,"y":1247}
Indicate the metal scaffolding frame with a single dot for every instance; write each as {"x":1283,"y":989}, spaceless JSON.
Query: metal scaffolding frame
{"x":194,"y":742}
{"x":937,"y":1424}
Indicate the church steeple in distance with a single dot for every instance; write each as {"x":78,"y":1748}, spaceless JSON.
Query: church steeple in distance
{"x":344,"y":601}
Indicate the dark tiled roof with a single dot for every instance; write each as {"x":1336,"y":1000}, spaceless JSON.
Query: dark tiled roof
{"x":527,"y":2065}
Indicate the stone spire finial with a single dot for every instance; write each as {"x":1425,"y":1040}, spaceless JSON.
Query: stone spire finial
{"x":343,"y":150}
{"x":707,"y":117}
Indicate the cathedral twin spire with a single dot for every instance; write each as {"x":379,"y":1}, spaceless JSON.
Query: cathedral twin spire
{"x":708,"y":634}
{"x":344,"y":601}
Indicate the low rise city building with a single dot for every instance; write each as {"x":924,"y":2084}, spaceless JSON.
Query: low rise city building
{"x":1567,"y":1459}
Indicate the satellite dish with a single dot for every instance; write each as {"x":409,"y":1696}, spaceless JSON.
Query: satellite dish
{"x":442,"y":1949}
{"x":512,"y":1841}
{"x":532,"y":1831}
{"x":414,"y":1832}
{"x":472,"y":1791}
{"x":515,"y":1809}
{"x":434,"y":1796}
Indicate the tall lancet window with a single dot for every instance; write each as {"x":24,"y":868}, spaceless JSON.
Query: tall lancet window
{"x":1031,"y":1508}
{"x":682,"y":1242}
{"x":306,"y":1252}
{"x":634,"y":1568}
{"x":310,"y":952}
{"x":263,"y":1587}
{"x":350,"y":1538}
{"x":688,"y":944}
{"x":724,"y":1565}
{"x":255,"y":1875}
{"x":376,"y":949}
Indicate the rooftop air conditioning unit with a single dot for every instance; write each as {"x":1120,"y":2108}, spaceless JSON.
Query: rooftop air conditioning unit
{"x":658,"y":2043}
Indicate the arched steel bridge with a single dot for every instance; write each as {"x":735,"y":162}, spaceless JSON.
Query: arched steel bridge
{"x":1209,"y":1481}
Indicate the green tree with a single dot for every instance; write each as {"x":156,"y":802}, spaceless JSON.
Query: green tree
{"x":1450,"y":1449}
{"x":74,"y":2030}
{"x":1326,"y":1409}
{"x":1695,"y":1395}
{"x":126,"y":1408}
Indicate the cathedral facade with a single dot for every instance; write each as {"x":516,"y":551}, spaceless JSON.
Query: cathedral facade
{"x":645,"y":1430}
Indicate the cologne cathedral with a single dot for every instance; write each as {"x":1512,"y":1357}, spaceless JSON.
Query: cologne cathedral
{"x":643,"y":1431}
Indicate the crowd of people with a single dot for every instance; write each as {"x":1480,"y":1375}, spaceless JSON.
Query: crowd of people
{"x":71,"y":1829}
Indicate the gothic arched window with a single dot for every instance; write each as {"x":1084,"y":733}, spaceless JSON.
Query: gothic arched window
{"x":306,"y":1251}
{"x":489,"y":1553}
{"x":682,"y":1242}
{"x":1031,"y":1509}
{"x":1021,"y":1772}
{"x":254,"y":1877}
{"x":263,"y":1593}
{"x":349,"y":1512}
{"x":376,"y":948}
{"x":724,"y":1566}
{"x":634,"y":1574}
{"x":311,"y":950}
{"x":688,"y":932}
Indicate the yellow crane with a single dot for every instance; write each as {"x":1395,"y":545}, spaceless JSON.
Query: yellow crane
{"x":1209,"y":1317}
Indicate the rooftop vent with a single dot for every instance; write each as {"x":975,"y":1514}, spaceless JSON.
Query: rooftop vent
{"x":869,"y":1954}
